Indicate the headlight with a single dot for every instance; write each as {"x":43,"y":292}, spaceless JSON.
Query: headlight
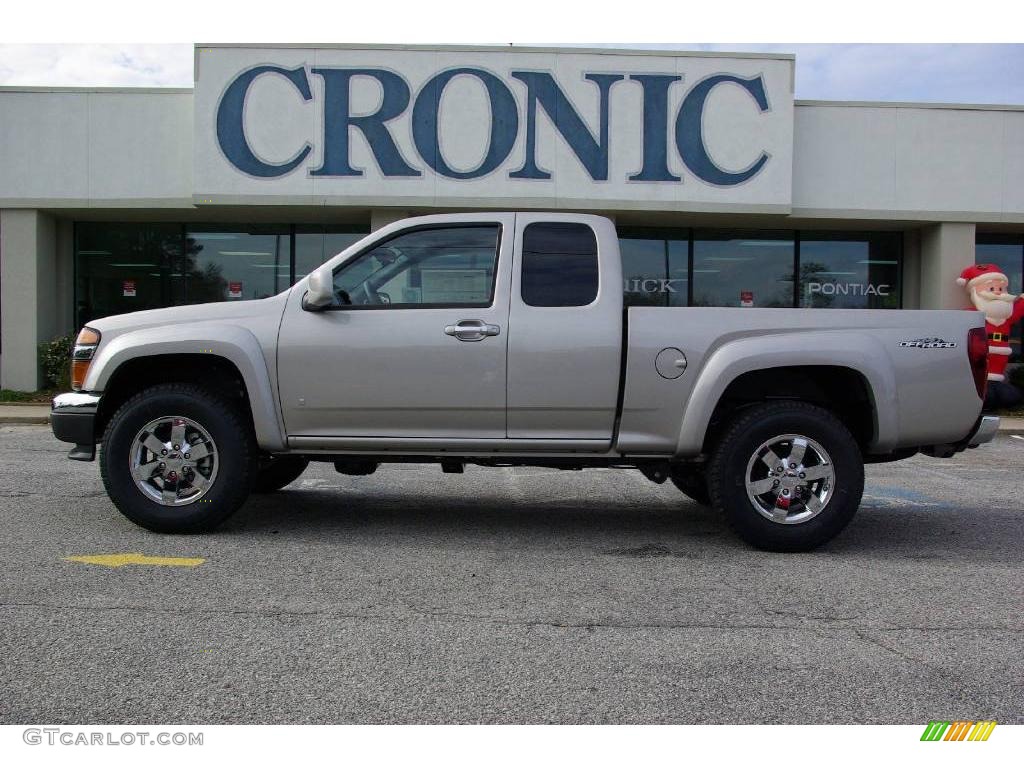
{"x":81,"y":356}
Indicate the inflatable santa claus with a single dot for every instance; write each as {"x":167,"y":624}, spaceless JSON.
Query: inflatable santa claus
{"x":988,"y":289}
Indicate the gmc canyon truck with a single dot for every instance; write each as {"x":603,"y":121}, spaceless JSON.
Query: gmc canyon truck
{"x":501,"y":339}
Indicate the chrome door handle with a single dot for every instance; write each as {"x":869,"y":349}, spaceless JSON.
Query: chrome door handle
{"x":471,"y":330}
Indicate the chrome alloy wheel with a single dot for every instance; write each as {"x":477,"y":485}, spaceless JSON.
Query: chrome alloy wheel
{"x":790,"y":479}
{"x":173,"y":461}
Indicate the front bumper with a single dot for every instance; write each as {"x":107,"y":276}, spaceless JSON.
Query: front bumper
{"x":73,"y":420}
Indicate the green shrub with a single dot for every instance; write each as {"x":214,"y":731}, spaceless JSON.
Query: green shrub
{"x":55,"y":361}
{"x":15,"y":396}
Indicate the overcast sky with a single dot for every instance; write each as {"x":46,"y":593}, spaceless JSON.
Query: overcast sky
{"x":943,"y":73}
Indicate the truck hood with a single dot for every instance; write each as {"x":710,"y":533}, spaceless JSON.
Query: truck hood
{"x":234,"y":312}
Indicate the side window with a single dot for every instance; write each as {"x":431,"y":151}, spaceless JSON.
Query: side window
{"x":559,"y":265}
{"x":438,"y":267}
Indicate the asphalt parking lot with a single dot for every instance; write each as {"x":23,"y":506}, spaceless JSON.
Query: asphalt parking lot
{"x":511,"y":596}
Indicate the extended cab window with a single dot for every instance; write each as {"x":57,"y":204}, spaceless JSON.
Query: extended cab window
{"x":559,"y":265}
{"x":438,"y":267}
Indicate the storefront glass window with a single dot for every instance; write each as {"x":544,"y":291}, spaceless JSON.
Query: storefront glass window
{"x":756,"y":269}
{"x":1007,"y":253}
{"x":314,"y":246}
{"x":655,"y":270}
{"x":679,"y":273}
{"x":126,"y":267}
{"x":234,"y":263}
{"x":743,"y":269}
{"x":644,"y":266}
{"x":850,"y":271}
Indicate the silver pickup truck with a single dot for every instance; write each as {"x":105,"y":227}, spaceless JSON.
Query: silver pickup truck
{"x":501,"y":339}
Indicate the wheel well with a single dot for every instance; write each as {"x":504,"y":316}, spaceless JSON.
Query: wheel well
{"x":132,"y":376}
{"x":843,"y":391}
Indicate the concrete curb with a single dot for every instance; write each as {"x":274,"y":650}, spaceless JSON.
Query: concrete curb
{"x":24,"y":420}
{"x":24,"y":413}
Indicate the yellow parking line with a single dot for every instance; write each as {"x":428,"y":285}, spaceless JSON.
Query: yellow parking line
{"x":136,"y":558}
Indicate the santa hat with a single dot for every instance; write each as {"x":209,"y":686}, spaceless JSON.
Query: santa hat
{"x":976,"y":273}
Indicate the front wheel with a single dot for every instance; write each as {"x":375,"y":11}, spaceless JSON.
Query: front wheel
{"x":178,"y":458}
{"x":787,"y":476}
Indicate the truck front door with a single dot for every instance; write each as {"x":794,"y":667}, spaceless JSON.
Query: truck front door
{"x":415,"y":343}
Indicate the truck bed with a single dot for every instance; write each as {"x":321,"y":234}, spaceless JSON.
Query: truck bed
{"x":921,"y":394}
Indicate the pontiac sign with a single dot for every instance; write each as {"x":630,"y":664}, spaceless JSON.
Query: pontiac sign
{"x":421,"y":126}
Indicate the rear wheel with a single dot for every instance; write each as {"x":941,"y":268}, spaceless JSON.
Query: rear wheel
{"x":178,"y":458}
{"x":788,"y":477}
{"x":275,"y":472}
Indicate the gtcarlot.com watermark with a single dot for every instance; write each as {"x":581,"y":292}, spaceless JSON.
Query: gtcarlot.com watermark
{"x":71,"y":737}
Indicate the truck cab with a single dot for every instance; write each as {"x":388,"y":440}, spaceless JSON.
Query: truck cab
{"x":510,"y":325}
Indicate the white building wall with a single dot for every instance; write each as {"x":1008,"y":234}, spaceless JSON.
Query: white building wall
{"x":28,"y":244}
{"x":134,"y":148}
{"x":96,"y":148}
{"x":43,"y":148}
{"x":945,"y":250}
{"x":909,"y":163}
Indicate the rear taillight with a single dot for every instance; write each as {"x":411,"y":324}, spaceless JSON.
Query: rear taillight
{"x":977,"y":354}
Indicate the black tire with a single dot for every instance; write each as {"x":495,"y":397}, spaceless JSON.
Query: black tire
{"x":235,"y":451}
{"x":693,"y":483}
{"x":275,"y":472}
{"x":740,"y":442}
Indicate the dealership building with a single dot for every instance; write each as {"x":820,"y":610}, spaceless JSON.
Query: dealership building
{"x":726,"y":191}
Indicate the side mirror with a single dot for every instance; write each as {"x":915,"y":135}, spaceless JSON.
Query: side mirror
{"x":320,"y":291}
